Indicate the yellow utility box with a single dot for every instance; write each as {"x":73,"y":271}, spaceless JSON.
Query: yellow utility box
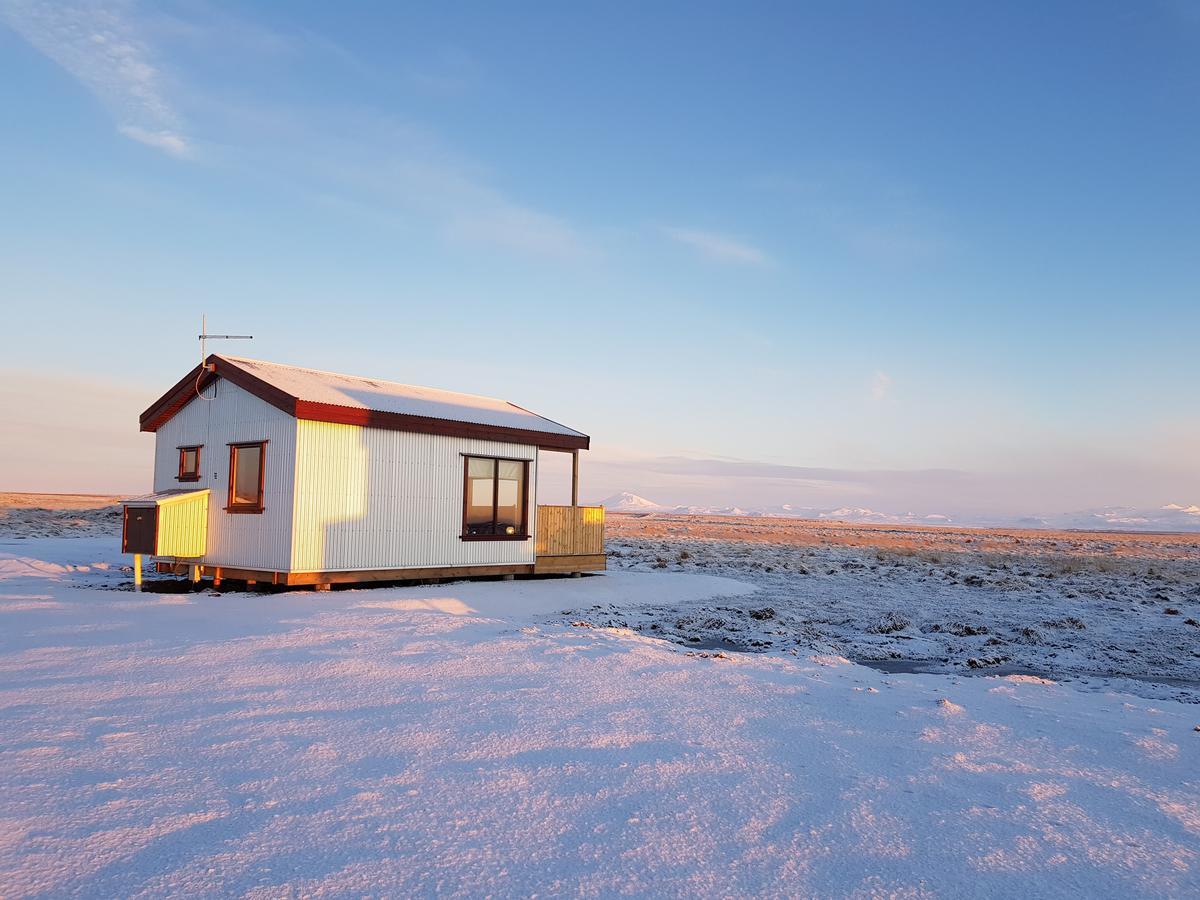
{"x":170,"y":523}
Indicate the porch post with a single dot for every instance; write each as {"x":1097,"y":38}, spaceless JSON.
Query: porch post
{"x":574,"y":477}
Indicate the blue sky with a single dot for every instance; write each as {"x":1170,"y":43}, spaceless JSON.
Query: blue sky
{"x":877,"y":238}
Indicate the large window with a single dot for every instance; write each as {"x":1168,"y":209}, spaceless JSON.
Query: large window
{"x":495,"y":497}
{"x":189,"y":463}
{"x":246,"y":477}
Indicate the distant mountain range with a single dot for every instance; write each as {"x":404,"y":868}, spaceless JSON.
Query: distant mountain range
{"x":1172,"y":517}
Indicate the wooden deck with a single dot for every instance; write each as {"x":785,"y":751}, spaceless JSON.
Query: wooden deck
{"x":569,"y":539}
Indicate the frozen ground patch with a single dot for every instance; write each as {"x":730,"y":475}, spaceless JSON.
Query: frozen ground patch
{"x":1101,"y":621}
{"x":435,"y":740}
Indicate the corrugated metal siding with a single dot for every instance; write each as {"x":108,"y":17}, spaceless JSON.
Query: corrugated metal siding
{"x":368,"y":498}
{"x":183,"y":526}
{"x":249,"y":541}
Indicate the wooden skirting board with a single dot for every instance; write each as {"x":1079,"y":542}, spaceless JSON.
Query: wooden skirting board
{"x":550,"y":565}
{"x":545,"y":565}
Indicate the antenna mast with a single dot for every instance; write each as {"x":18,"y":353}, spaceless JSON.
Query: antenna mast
{"x":205,"y":337}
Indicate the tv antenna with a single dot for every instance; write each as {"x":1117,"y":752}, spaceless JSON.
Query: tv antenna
{"x":205,"y":337}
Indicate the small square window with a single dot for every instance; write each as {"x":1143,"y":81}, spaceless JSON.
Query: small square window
{"x":189,"y":464}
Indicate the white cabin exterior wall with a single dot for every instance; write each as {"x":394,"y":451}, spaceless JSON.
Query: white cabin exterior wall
{"x":245,"y":540}
{"x":370,"y":498}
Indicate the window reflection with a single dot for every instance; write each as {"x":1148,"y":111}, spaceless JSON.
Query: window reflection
{"x":246,"y":477}
{"x":495,"y":497}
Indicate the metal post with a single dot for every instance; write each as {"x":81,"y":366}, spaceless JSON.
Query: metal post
{"x":137,"y":571}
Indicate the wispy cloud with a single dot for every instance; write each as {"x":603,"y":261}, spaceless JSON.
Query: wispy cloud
{"x":720,"y":482}
{"x":101,"y":46}
{"x":507,"y":225}
{"x":877,"y":216}
{"x":898,"y":244}
{"x":718,"y":247}
{"x":725,"y":468}
{"x":167,"y":141}
{"x":409,"y":172}
{"x":360,"y":158}
{"x":881,"y":386}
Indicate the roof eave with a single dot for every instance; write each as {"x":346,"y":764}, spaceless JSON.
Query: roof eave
{"x":369,"y":418}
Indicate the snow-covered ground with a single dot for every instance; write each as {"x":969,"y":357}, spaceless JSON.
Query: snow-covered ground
{"x":58,"y":515}
{"x":471,"y":739}
{"x":1049,"y":606}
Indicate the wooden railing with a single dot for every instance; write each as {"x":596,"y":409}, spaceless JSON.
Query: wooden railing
{"x":570,"y":530}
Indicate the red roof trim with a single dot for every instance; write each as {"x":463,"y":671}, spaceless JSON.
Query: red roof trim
{"x":369,"y":418}
{"x":185,"y":391}
{"x":166,"y":406}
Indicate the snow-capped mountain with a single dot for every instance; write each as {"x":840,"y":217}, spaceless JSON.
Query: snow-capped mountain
{"x":862,"y":514}
{"x":627,"y":502}
{"x":1170,"y":517}
{"x":632,"y":503}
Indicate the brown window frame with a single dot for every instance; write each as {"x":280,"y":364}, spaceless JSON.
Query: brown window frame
{"x":184,"y":475}
{"x":523,"y":532}
{"x":252,"y":508}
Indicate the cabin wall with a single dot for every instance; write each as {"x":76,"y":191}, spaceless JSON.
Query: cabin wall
{"x":256,"y":541}
{"x":183,"y":526}
{"x":369,"y":498}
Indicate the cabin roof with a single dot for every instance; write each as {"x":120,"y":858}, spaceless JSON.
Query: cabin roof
{"x":354,"y":400}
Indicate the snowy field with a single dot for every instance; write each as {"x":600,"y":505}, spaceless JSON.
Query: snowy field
{"x":1100,"y":610}
{"x":472,"y":739}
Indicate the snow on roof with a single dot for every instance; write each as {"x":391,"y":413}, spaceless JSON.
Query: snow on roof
{"x":161,"y":496}
{"x":356,"y":392}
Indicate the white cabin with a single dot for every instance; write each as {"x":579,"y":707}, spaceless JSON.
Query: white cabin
{"x":294,"y":476}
